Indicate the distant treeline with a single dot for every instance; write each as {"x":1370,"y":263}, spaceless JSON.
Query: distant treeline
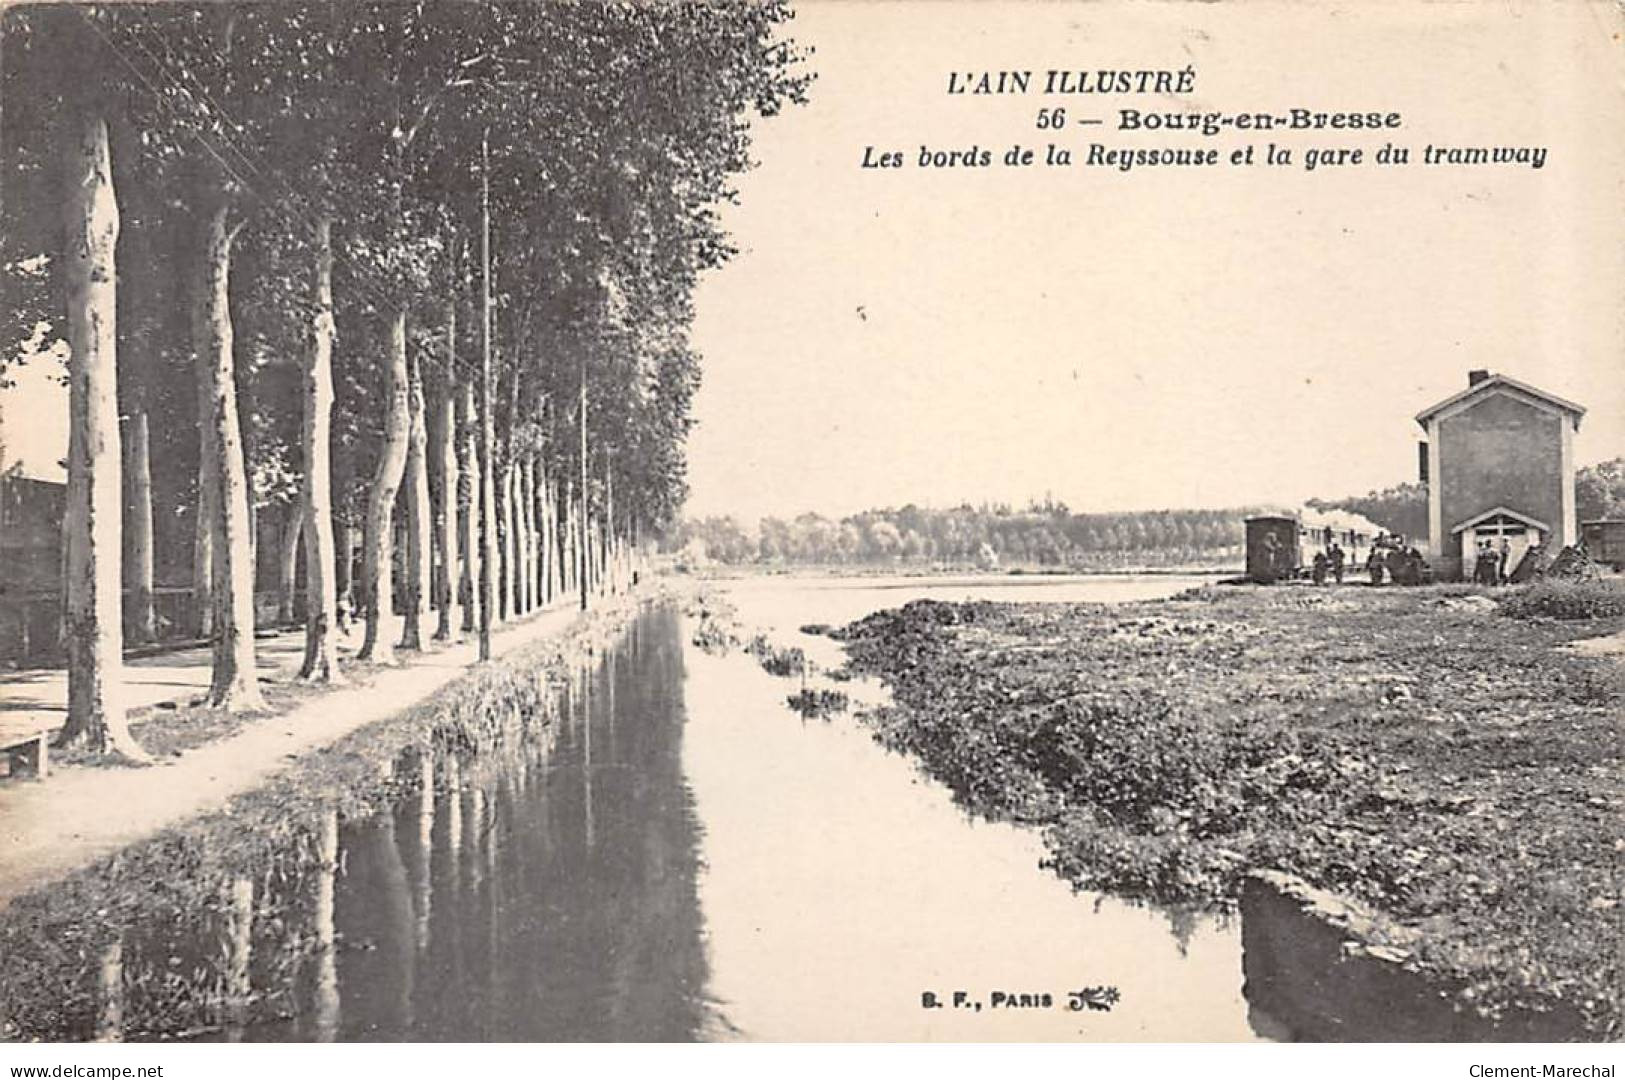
{"x":1048,"y":534}
{"x":1042,"y":535}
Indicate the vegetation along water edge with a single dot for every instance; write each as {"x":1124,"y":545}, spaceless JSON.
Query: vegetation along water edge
{"x":1437,"y":756}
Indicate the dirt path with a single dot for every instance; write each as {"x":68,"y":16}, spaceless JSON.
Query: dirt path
{"x":82,"y":813}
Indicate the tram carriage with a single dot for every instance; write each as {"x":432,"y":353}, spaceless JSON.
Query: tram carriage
{"x":1299,"y":536}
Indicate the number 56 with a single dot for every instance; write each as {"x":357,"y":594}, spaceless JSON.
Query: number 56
{"x":1051,"y":118}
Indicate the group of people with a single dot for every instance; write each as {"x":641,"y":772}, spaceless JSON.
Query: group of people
{"x":1331,"y":560}
{"x":1490,"y":562}
{"x":1402,"y":563}
{"x":1391,"y":558}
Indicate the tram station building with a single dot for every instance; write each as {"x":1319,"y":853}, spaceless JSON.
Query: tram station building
{"x":1499,"y":466}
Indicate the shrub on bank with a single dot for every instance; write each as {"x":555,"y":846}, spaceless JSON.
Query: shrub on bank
{"x":1568,"y":598}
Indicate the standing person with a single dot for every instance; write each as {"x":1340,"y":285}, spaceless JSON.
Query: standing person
{"x":1272,"y":551}
{"x":1373,"y":565}
{"x":1395,"y":560}
{"x":1484,"y":568}
{"x":1504,"y":554}
{"x":1321,"y":562}
{"x":1337,"y":558}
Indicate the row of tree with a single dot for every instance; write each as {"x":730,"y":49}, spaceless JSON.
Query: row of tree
{"x":1047,"y":535}
{"x":419,"y":268}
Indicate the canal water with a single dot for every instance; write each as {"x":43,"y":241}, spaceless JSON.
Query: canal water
{"x":678,"y":855}
{"x":688,"y":858}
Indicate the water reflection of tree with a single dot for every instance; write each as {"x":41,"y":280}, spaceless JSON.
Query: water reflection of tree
{"x":373,"y":909}
{"x":604,"y":938}
{"x":474,"y":909}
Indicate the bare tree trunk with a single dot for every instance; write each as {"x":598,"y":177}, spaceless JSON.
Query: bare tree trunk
{"x":521,"y":532}
{"x":288,"y":563}
{"x":143,"y":622}
{"x":93,"y":619}
{"x":468,"y":506}
{"x":544,"y":535}
{"x":418,"y":542}
{"x":538,"y":518}
{"x":316,"y":494}
{"x":488,"y":524}
{"x":444,"y":451}
{"x":499,"y":562}
{"x":527,"y":509}
{"x":510,"y":535}
{"x":203,"y":544}
{"x":376,"y":570}
{"x":555,"y":561}
{"x":344,"y":575}
{"x":516,"y":519}
{"x":609,"y":522}
{"x":235,"y":684}
{"x":586,"y":532}
{"x":569,"y":563}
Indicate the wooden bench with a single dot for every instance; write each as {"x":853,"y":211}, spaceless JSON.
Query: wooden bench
{"x":26,"y":745}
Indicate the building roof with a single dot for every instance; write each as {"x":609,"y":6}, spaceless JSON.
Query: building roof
{"x":1501,"y":511}
{"x":1502,"y":382}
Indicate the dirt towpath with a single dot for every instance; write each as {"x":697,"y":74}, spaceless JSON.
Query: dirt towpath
{"x":81,"y":813}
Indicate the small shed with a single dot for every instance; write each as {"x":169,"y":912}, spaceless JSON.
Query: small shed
{"x":1605,"y":541}
{"x":1272,"y":548}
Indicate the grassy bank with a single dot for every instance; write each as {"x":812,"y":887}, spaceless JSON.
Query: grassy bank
{"x":1448,"y":765}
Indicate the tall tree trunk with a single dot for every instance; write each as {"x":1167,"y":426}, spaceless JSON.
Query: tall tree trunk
{"x":468,"y":506}
{"x":288,"y":563}
{"x":527,"y":507}
{"x":544,"y":560}
{"x":208,"y":495}
{"x":609,"y":522}
{"x":235,"y":683}
{"x":418,"y":542}
{"x":344,"y":575}
{"x":586,"y":533}
{"x":316,"y":492}
{"x":555,"y":581}
{"x":509,"y":540}
{"x":539,"y":471}
{"x":444,"y":452}
{"x":521,"y":530}
{"x":569,"y":563}
{"x":488,"y":525}
{"x":376,"y":569}
{"x":518,"y":512}
{"x":143,"y":622}
{"x":95,"y":632}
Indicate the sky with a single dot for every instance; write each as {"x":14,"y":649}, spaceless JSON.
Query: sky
{"x":1158,"y":338}
{"x":34,"y":419}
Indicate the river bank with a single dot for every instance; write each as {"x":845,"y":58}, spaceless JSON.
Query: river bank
{"x":95,"y":852}
{"x":1453,"y":769}
{"x":206,"y":758}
